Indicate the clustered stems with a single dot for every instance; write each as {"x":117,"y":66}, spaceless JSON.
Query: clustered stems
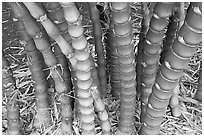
{"x":36,"y":65}
{"x":56,"y":15}
{"x":10,"y":91}
{"x":152,"y":47}
{"x":184,"y":46}
{"x":53,"y":38}
{"x":84,"y":68}
{"x":42,"y":43}
{"x":123,"y":74}
{"x":97,"y":31}
{"x":171,"y":32}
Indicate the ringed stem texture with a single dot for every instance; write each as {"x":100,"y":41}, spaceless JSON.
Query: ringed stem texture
{"x":123,"y":73}
{"x":171,"y":32}
{"x":144,"y":28}
{"x":152,"y":46}
{"x":36,"y":66}
{"x":56,"y":15}
{"x":84,"y":69}
{"x":184,"y":46}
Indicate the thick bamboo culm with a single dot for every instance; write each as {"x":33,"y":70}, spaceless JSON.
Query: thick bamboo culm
{"x":84,"y":71}
{"x":56,"y":15}
{"x":36,"y":65}
{"x":171,"y":32}
{"x":188,"y":38}
{"x":83,"y":66}
{"x":10,"y":91}
{"x":42,"y":43}
{"x":152,"y":46}
{"x":97,"y":31}
{"x":123,"y":74}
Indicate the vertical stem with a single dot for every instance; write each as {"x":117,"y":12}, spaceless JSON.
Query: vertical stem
{"x":99,"y":48}
{"x":123,"y":64}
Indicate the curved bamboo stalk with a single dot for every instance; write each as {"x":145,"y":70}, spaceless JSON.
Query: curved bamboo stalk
{"x":166,"y":79}
{"x":42,"y":44}
{"x":50,"y":28}
{"x":124,"y":61}
{"x":36,"y":65}
{"x":11,"y":92}
{"x":99,"y":48}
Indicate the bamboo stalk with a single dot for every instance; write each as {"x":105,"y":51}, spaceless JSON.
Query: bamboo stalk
{"x":123,"y":49}
{"x":99,"y":48}
{"x":55,"y":13}
{"x":188,"y":35}
{"x":147,"y":13}
{"x":36,"y":65}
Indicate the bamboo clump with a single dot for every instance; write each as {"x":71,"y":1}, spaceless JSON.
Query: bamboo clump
{"x":189,"y":36}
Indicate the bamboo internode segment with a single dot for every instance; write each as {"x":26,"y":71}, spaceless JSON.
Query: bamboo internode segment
{"x":99,"y":47}
{"x":123,"y":76}
{"x":188,"y":35}
{"x":10,"y":91}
